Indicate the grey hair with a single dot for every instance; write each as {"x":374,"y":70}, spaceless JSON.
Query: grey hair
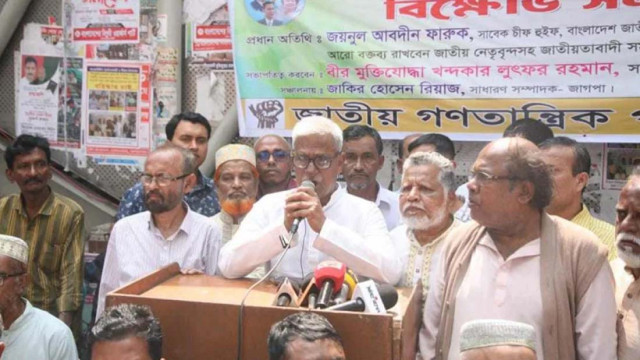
{"x":446,"y":177}
{"x":318,"y":125}
{"x":188,"y":159}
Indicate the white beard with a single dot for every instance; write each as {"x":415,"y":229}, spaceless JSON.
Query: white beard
{"x":632,"y":260}
{"x":425,"y":222}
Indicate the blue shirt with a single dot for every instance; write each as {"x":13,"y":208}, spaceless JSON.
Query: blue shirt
{"x":202,"y":199}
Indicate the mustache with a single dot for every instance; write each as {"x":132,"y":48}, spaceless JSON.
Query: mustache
{"x":623,"y":236}
{"x":33,"y":180}
{"x":153,"y":192}
{"x":412,"y":205}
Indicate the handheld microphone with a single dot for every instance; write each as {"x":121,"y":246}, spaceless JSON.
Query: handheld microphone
{"x":370,"y":297}
{"x":296,"y":222}
{"x":287,"y":294}
{"x":329,"y":276}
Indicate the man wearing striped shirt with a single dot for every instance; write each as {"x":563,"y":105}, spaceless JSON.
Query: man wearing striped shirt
{"x":51,"y":224}
{"x":168,"y":232}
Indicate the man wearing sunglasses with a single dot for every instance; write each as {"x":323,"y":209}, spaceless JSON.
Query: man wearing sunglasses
{"x":335,"y":224}
{"x":273,"y":155}
{"x":515,"y":262}
{"x":168,"y":232}
{"x":28,"y":332}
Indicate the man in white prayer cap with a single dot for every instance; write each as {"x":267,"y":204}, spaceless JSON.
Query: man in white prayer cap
{"x":497,"y":340}
{"x":29,"y":333}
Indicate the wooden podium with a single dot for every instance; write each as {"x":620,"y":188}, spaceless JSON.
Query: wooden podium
{"x":199,"y":317}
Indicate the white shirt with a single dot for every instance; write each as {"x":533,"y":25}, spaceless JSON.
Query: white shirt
{"x":418,"y":261}
{"x":36,"y":334}
{"x":354,"y":233}
{"x":464,"y":213}
{"x":389,"y":204}
{"x":136,"y":248}
{"x":495,"y":288}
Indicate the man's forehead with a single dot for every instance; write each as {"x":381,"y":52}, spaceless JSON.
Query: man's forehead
{"x":631,"y":191}
{"x":315,"y":144}
{"x":272,"y":141}
{"x":186,"y":127}
{"x":163,"y":160}
{"x":235,"y":166}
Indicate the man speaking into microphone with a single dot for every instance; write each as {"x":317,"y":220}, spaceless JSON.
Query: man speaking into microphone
{"x":332,"y":223}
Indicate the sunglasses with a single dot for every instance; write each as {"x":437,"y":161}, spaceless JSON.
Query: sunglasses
{"x":278,"y":156}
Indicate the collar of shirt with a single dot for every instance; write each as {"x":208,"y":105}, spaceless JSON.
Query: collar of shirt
{"x":184,"y":227}
{"x":202,"y":182}
{"x":23,"y":318}
{"x":227,"y":219}
{"x":415,"y":244}
{"x":385,"y":196}
{"x":532,"y":248}
{"x":582,"y":215}
{"x":44,"y":210}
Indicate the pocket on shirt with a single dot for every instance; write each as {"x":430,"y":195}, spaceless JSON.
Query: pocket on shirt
{"x":49,"y":259}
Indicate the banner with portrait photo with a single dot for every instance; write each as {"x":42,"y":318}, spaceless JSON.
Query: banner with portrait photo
{"x":117,"y":111}
{"x":465,"y":68}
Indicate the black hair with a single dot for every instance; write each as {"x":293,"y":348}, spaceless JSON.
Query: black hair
{"x":442,"y":143}
{"x":355,"y":132}
{"x":581,"y":157}
{"x":530,"y":129}
{"x":127,"y":320}
{"x":307,"y":326}
{"x":25,"y":144}
{"x":189,"y":116}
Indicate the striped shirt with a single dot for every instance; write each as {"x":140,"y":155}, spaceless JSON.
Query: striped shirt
{"x":136,"y":248}
{"x":56,"y":243}
{"x":603,"y":230}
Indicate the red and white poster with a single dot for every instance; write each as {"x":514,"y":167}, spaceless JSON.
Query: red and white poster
{"x":118,"y":109}
{"x":106,"y":21}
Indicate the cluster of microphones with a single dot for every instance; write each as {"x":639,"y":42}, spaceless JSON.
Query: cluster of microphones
{"x":334,"y":287}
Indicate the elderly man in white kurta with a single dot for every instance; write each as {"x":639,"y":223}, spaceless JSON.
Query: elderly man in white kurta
{"x":626,"y":269}
{"x":427,"y":202}
{"x":335,"y":225}
{"x":29,"y":333}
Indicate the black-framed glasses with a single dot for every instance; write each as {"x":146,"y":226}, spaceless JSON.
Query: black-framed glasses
{"x":321,"y":162}
{"x":161,"y":180}
{"x":278,"y":155}
{"x":484,"y":177}
{"x":4,"y":276}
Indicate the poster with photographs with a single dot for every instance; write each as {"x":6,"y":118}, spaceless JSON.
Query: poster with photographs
{"x":619,"y":160}
{"x":118,"y":109}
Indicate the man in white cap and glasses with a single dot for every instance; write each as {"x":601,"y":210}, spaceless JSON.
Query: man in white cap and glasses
{"x":497,"y":340}
{"x":29,"y":333}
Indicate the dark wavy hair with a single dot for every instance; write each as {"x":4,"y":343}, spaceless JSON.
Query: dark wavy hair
{"x":127,"y":320}
{"x":307,"y":326}
{"x":527,"y":165}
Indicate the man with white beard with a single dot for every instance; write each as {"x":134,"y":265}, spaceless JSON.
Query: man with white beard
{"x":626,"y":269}
{"x":427,"y":201}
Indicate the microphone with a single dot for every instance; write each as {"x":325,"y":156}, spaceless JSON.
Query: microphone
{"x":349,"y":284}
{"x":309,"y":292}
{"x":296,"y":222}
{"x":329,"y":276}
{"x":287,"y":294}
{"x":369,"y":297}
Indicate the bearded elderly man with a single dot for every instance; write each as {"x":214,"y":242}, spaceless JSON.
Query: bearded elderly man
{"x":427,"y":200}
{"x":236,"y":180}
{"x":626,"y":269}
{"x":515,"y":262}
{"x":335,"y":225}
{"x":168,"y":232}
{"x":273,"y":157}
{"x":29,"y":333}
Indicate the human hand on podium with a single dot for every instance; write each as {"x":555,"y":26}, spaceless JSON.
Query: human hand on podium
{"x":191,"y":272}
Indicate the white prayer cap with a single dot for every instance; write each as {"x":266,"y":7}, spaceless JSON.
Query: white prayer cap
{"x":14,"y":247}
{"x":235,"y":152}
{"x":484,"y":333}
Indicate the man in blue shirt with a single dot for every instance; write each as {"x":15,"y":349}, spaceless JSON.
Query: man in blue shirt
{"x":191,"y":131}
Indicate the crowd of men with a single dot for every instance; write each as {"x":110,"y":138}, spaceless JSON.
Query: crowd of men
{"x":511,"y":263}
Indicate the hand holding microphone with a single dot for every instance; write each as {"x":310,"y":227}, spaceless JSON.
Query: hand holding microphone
{"x":301,"y":204}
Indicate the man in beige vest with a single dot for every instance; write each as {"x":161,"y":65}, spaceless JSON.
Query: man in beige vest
{"x":626,"y":269}
{"x":515,"y":262}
